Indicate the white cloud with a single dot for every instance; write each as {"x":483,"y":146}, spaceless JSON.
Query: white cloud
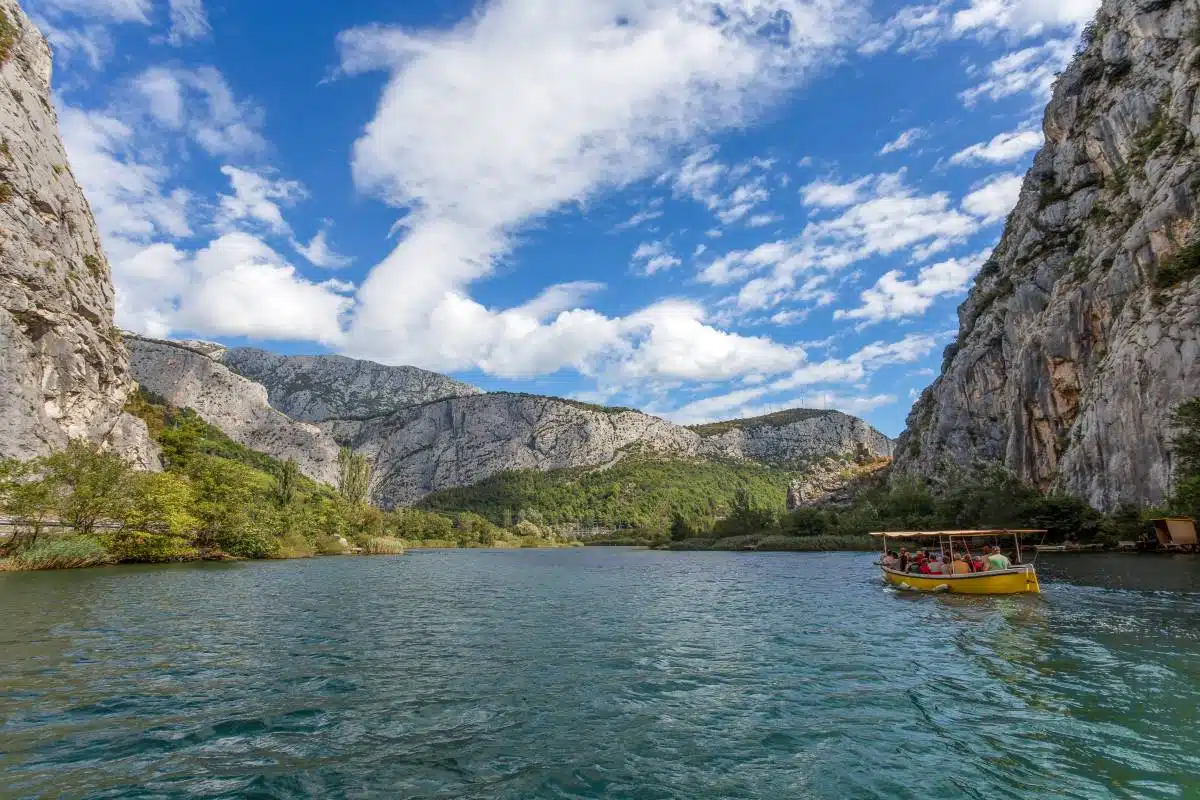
{"x":239,"y":286}
{"x":741,"y":404}
{"x":105,"y":10}
{"x":234,"y":286}
{"x":994,"y":199}
{"x":880,"y":216}
{"x":652,"y":257}
{"x":910,"y":30}
{"x":904,"y":141}
{"x":763,"y":220}
{"x":892,"y":297}
{"x":1032,"y":70}
{"x":639,"y":218}
{"x":200,"y":102}
{"x":1024,"y":17}
{"x":729,"y":192}
{"x":827,"y":194}
{"x":255,"y":199}
{"x":188,"y":21}
{"x":318,"y":252}
{"x":528,"y":106}
{"x":861,"y":364}
{"x":1003,"y":148}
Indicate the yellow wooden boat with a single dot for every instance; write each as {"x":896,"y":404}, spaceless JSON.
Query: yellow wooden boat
{"x":1019,"y":579}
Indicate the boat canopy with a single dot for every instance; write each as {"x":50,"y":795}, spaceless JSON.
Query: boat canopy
{"x":935,"y":534}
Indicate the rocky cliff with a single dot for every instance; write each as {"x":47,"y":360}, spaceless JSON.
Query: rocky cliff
{"x":464,"y":440}
{"x":315,"y":388}
{"x":189,"y":374}
{"x":63,"y":369}
{"x":1082,"y":332}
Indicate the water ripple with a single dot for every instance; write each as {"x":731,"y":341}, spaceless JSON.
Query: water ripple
{"x":589,"y":674}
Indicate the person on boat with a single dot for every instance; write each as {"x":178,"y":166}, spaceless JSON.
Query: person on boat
{"x":977,"y":563}
{"x":889,"y":560}
{"x":960,"y":565}
{"x":904,"y":559}
{"x":997,"y":560}
{"x":937,"y":566}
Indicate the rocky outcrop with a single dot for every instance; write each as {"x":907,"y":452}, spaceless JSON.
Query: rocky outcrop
{"x":63,"y":368}
{"x":461,"y":441}
{"x":794,"y":435}
{"x":188,"y":375}
{"x":1081,"y":334}
{"x":316,"y":388}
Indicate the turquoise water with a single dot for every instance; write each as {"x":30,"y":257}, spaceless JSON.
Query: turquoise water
{"x":594,"y":673}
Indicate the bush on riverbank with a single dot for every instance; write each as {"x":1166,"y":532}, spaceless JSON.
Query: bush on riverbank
{"x":216,"y":499}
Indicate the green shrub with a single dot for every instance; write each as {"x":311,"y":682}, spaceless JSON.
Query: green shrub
{"x":1179,"y":268}
{"x":62,"y":552}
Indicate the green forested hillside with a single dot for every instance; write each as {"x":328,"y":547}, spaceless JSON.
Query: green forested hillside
{"x":634,"y":493}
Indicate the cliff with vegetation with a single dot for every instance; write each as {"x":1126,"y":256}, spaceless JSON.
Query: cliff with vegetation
{"x":1081,"y":335}
{"x":64,"y":371}
{"x":189,"y":375}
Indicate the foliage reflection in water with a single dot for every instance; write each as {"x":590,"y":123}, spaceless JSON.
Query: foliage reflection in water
{"x":588,"y":674}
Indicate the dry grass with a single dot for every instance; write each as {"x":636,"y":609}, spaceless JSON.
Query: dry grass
{"x":383,"y":546}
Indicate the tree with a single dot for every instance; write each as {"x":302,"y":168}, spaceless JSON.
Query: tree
{"x":286,"y":480}
{"x":354,"y":476}
{"x":1186,"y":449}
{"x":91,"y":485}
{"x":681,"y":528}
{"x":27,"y":499}
{"x":159,"y":525}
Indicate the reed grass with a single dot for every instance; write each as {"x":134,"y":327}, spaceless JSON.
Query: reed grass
{"x":383,"y":546}
{"x":62,"y":552}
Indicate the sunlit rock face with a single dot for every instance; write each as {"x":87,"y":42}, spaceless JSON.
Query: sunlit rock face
{"x":64,"y":372}
{"x":1081,"y":334}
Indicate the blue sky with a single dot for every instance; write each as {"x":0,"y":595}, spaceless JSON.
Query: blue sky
{"x":703,"y":209}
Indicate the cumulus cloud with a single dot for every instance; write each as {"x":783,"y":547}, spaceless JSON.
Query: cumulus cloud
{"x":1024,"y":17}
{"x":1001,"y":149}
{"x":904,"y":141}
{"x":652,"y":257}
{"x":879,"y":215}
{"x":858,"y":366}
{"x":893,"y":297}
{"x":318,"y":252}
{"x":256,"y":198}
{"x":994,"y":199}
{"x":235,"y":285}
{"x":529,"y":106}
{"x":1031,"y":70}
{"x":201,"y":103}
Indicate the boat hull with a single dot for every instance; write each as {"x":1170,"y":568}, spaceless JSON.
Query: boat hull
{"x":1019,"y":580}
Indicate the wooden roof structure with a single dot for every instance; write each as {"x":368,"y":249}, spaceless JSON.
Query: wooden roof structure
{"x":973,"y":533}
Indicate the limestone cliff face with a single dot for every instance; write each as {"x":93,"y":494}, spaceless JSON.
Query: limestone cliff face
{"x":315,"y":388}
{"x":189,"y":374}
{"x":424,"y":447}
{"x":1082,"y":332}
{"x":464,"y":440}
{"x":64,"y":371}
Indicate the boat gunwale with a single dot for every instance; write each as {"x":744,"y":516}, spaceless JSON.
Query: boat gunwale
{"x":1021,"y":570}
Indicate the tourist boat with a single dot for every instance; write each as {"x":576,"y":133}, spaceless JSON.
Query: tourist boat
{"x":1019,"y":579}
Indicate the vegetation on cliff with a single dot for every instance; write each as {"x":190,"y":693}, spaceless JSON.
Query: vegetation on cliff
{"x":636,"y":492}
{"x":216,"y":499}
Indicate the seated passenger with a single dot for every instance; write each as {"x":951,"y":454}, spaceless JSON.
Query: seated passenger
{"x":889,"y":560}
{"x":977,"y":563}
{"x":923,"y":565}
{"x":960,"y":566}
{"x":904,"y":559}
{"x":997,"y":560}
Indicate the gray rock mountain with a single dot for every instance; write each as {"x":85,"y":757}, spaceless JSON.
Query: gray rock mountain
{"x":189,"y":374}
{"x":63,"y":368}
{"x":1082,"y":332}
{"x":315,"y":388}
{"x":464,"y":440}
{"x":423,"y":447}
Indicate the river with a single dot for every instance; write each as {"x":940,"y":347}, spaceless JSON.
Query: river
{"x":596,"y":673}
